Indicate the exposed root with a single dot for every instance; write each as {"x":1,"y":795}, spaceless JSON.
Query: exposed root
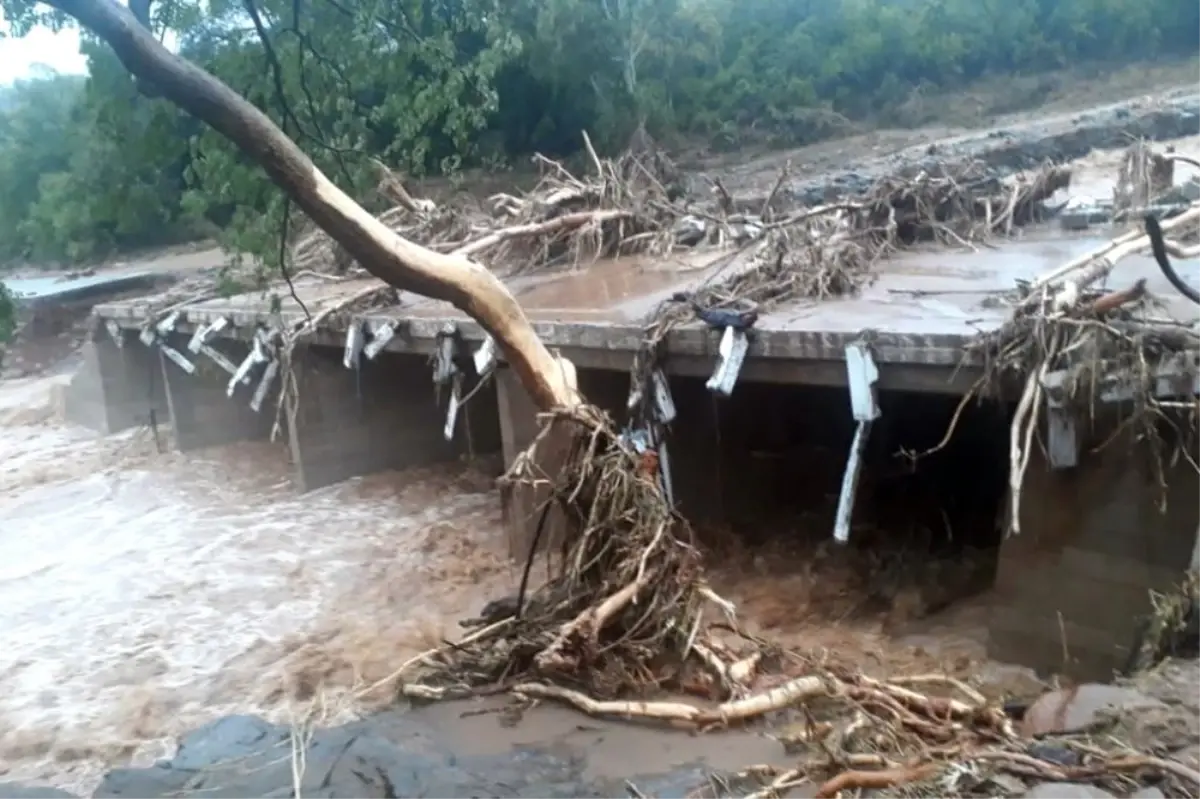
{"x":1172,"y":629}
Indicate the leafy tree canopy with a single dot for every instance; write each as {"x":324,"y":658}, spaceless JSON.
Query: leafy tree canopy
{"x":92,"y":165}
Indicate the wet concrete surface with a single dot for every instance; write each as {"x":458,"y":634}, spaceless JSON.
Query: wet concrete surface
{"x":453,"y":749}
{"x":938,"y":292}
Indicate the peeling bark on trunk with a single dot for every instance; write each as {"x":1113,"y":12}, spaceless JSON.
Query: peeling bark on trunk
{"x":465,"y":284}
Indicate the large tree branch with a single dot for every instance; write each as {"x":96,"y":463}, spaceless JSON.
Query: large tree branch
{"x":401,"y":263}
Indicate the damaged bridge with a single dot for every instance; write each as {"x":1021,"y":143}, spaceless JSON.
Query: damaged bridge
{"x":804,"y":409}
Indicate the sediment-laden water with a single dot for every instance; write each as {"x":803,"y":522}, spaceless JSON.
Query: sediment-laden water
{"x":145,"y":594}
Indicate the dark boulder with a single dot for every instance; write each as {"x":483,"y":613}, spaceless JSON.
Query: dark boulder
{"x":389,"y":755}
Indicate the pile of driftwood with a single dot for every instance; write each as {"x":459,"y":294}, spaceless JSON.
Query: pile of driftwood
{"x":628,"y":628}
{"x":624,"y":208}
{"x":831,"y":250}
{"x":1061,"y":321}
{"x":627,"y":621}
{"x":639,"y":204}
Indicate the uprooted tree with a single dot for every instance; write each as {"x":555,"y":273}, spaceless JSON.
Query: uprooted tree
{"x":625,"y":611}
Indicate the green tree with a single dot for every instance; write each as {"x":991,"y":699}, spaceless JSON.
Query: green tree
{"x":95,"y":165}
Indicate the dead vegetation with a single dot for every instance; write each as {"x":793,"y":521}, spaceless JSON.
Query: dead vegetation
{"x":627,"y":622}
{"x":1079,"y":343}
{"x":832,"y":250}
{"x":640,"y":203}
{"x":1171,"y":629}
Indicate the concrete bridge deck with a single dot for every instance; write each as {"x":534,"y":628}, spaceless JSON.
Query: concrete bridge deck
{"x":921,"y":311}
{"x":1095,"y":540}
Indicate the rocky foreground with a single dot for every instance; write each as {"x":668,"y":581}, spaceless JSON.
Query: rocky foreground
{"x":396,"y":754}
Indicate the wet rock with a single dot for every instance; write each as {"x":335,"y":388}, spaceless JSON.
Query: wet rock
{"x":1077,"y":709}
{"x":1065,"y":790}
{"x":389,"y":755}
{"x":18,"y":790}
{"x":1148,"y":793}
{"x":1081,"y":216}
{"x":1054,"y":753}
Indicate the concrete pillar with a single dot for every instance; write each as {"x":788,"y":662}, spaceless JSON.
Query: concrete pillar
{"x":118,"y":386}
{"x":1095,"y":541}
{"x":202,"y":415}
{"x":522,"y":506}
{"x":383,"y":416}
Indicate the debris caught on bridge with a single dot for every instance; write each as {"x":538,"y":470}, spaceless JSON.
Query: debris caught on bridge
{"x":638,"y":203}
{"x":628,"y":615}
{"x":627,"y":625}
{"x":1072,"y":338}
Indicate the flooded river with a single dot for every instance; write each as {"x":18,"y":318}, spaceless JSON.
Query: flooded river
{"x":145,"y":594}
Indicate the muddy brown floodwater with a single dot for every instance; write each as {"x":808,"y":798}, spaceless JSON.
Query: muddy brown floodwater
{"x":145,"y":594}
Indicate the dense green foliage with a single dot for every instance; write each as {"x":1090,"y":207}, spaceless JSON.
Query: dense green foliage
{"x":8,"y":318}
{"x":89,"y":166}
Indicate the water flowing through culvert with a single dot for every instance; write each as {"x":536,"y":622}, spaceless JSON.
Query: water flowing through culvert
{"x":145,"y":594}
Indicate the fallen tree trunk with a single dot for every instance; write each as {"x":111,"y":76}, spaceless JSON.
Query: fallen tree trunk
{"x":467,"y":285}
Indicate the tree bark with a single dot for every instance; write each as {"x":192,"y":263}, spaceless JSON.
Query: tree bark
{"x":406,"y":265}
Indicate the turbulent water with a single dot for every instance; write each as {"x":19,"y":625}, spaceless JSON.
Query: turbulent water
{"x":143,"y":594}
{"x":146,"y":592}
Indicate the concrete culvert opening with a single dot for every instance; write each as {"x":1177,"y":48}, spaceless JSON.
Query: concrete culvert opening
{"x":759,"y":475}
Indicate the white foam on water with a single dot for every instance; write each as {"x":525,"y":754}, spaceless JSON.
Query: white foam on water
{"x":145,"y":593}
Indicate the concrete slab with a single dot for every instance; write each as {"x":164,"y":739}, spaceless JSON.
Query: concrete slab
{"x":923,"y":308}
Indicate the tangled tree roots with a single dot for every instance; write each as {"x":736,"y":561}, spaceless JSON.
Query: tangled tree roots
{"x":627,"y":594}
{"x":624,"y":618}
